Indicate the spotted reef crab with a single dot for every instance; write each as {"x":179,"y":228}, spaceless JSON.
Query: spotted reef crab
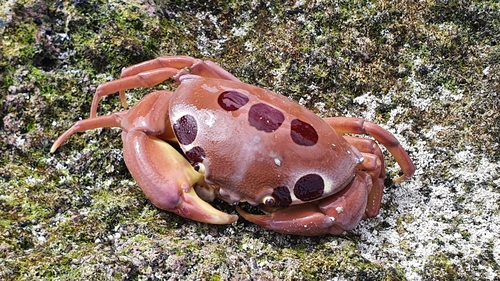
{"x":244,"y":143}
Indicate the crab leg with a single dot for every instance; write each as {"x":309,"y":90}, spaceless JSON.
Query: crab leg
{"x":346,"y":125}
{"x":144,"y":79}
{"x":374,"y":159}
{"x":153,"y":72}
{"x":108,"y":121}
{"x":177,"y":62}
{"x":365,"y":145}
{"x":373,"y":164}
{"x":165,"y":176}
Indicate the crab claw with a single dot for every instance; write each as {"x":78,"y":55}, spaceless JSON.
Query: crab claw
{"x":334,"y":214}
{"x":305,"y":220}
{"x":192,"y":207}
{"x":167,"y":179}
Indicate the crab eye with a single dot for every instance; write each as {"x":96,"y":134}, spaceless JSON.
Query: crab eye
{"x":199,"y":167}
{"x":269,"y":201}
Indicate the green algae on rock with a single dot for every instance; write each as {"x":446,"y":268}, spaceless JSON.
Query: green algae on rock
{"x":426,"y":70}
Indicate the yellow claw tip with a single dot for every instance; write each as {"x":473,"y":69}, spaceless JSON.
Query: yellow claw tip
{"x":401,"y":179}
{"x":197,"y":209}
{"x":123,"y":99}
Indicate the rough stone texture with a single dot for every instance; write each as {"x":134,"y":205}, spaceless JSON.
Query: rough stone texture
{"x":428,"y":71}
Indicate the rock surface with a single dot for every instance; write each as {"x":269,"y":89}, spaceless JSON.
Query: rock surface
{"x":428,"y":71}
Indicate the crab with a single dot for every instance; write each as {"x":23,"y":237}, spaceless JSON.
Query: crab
{"x":242,"y":143}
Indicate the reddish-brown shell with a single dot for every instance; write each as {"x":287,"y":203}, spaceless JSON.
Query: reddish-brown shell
{"x":257,"y":145}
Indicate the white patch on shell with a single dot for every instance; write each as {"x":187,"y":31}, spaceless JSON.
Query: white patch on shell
{"x":276,"y":158}
{"x":210,"y":121}
{"x":210,"y":89}
{"x":339,"y":209}
{"x":203,"y":117}
{"x":180,"y":110}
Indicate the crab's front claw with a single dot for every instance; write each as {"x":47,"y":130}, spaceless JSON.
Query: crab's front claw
{"x":334,"y":214}
{"x":305,"y":220}
{"x":167,"y":179}
{"x":194,"y":208}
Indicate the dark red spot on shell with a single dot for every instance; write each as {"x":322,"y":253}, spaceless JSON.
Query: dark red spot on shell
{"x":309,"y":187}
{"x":185,"y":129}
{"x":303,"y":133}
{"x":195,"y":155}
{"x":265,"y":118}
{"x":282,"y":198}
{"x":232,"y":100}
